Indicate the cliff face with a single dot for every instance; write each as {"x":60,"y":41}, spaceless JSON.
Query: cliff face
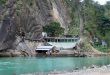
{"x":60,"y":13}
{"x":7,"y":28}
{"x":28,"y":17}
{"x":53,"y":10}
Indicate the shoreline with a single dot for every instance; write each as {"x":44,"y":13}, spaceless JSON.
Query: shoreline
{"x":63,"y":53}
{"x":93,"y":70}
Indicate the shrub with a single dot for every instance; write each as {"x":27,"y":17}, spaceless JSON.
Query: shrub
{"x":53,"y":29}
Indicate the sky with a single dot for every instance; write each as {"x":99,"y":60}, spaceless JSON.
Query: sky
{"x":102,"y":2}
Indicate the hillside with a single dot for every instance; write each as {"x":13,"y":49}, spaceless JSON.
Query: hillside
{"x":22,"y":21}
{"x":27,"y":17}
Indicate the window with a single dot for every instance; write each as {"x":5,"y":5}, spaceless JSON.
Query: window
{"x":72,"y":40}
{"x":52,"y":40}
{"x":66,"y":40}
{"x":56,"y":40}
{"x":69,"y":40}
{"x":61,"y":40}
{"x":75,"y":40}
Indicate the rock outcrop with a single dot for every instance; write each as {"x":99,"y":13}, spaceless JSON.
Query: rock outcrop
{"x":7,"y":30}
{"x":25,"y":18}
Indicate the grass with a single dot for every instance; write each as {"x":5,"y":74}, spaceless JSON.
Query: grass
{"x":102,"y":48}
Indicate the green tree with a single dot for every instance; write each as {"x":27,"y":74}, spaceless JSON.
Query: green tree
{"x":107,"y":9}
{"x":89,"y":15}
{"x":53,"y":29}
{"x":73,"y":5}
{"x":104,"y":28}
{"x":2,"y":2}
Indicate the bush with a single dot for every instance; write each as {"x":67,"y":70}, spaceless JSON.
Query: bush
{"x":2,"y":2}
{"x":53,"y":29}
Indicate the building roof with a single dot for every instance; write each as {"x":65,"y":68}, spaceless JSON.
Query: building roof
{"x":44,"y":48}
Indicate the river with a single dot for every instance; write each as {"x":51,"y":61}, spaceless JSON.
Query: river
{"x":21,"y":65}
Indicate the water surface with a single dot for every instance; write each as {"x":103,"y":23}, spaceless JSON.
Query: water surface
{"x":21,"y":65}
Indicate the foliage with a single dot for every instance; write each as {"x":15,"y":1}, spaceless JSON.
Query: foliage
{"x":96,"y":21}
{"x":74,"y":24}
{"x":2,"y":2}
{"x":96,"y":18}
{"x":53,"y":29}
{"x":103,"y":25}
{"x":102,"y":48}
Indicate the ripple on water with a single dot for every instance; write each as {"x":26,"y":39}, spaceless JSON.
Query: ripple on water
{"x":45,"y":64}
{"x":8,"y":63}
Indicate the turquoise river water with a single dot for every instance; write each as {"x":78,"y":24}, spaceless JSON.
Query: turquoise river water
{"x":22,"y":65}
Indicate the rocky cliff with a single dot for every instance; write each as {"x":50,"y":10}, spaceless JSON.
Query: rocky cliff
{"x":25,"y":18}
